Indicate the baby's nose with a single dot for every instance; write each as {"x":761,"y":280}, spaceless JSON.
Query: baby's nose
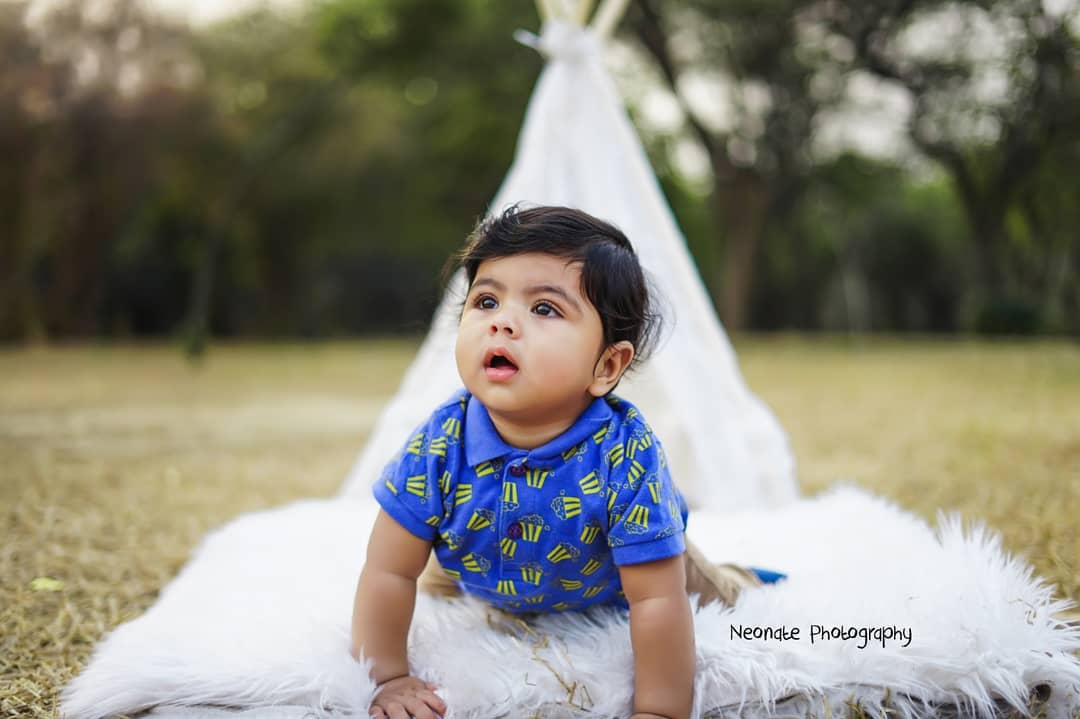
{"x":503,"y":322}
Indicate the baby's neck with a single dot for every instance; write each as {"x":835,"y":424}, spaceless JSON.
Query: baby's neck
{"x":532,"y":432}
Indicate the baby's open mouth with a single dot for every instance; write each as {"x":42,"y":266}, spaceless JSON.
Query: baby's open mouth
{"x":500,"y":361}
{"x":498,"y":366}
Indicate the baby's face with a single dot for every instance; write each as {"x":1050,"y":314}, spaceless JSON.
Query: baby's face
{"x":529,"y":339}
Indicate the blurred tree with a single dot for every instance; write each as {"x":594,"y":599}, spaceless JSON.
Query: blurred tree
{"x":306,"y":174}
{"x":293,"y":174}
{"x":82,"y":135}
{"x":996,"y":95}
{"x":270,"y":183}
{"x":760,"y":156}
{"x":374,"y":141}
{"x":868,"y":247}
{"x":25,"y":103}
{"x":462,"y":85}
{"x":1047,"y":232}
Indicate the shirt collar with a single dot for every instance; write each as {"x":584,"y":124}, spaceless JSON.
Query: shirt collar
{"x":483,"y":443}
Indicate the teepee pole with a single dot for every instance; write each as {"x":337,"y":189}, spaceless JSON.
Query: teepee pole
{"x":548,"y":10}
{"x":568,"y":9}
{"x":608,"y":16}
{"x":584,"y":7}
{"x":576,"y":11}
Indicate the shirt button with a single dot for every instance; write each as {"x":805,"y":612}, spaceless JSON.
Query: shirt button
{"x":518,"y":470}
{"x":514,"y":530}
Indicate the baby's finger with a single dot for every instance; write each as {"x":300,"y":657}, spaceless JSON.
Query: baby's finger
{"x":434,"y":701}
{"x":377,"y":713}
{"x":419,"y":709}
{"x":396,"y":711}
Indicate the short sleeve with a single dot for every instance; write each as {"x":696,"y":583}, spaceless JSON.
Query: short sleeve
{"x":408,"y":489}
{"x":646,"y":512}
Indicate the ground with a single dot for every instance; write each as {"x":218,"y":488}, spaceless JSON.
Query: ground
{"x":115,"y":460}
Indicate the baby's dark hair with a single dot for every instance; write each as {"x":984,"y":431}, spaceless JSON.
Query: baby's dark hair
{"x":611,"y":276}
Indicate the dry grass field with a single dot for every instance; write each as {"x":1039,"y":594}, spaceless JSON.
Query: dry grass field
{"x":115,"y":460}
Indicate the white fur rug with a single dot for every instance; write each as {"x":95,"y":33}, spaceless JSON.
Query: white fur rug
{"x":260,"y":616}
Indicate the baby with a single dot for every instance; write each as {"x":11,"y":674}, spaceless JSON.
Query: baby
{"x":539,"y":490}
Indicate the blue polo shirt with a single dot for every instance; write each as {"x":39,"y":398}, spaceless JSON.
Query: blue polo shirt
{"x":540,"y":530}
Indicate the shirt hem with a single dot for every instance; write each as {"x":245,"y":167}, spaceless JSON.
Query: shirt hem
{"x":393,"y":506}
{"x":649,"y":551}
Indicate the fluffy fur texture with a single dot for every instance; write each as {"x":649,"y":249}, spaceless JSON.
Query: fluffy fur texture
{"x":260,"y":616}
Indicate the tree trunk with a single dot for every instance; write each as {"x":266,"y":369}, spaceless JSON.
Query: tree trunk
{"x":986,"y":222}
{"x":742,"y":203}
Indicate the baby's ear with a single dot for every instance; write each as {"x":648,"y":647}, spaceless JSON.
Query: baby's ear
{"x":610,"y":367}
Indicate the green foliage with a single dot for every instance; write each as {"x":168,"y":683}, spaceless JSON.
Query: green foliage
{"x":867,"y":247}
{"x":311,"y":182}
{"x":307,"y":174}
{"x":1009,"y":316}
{"x":992,"y":92}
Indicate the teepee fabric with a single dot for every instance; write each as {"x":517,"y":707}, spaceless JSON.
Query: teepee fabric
{"x":577,"y":148}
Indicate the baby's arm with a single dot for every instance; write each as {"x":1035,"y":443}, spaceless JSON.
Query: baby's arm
{"x":662,"y":635}
{"x":383,"y":610}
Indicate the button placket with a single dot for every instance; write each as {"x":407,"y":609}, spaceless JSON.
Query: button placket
{"x":531,"y":505}
{"x":510,"y":528}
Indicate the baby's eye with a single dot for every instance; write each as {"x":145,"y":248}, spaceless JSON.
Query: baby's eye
{"x":486,"y":302}
{"x":545,"y":309}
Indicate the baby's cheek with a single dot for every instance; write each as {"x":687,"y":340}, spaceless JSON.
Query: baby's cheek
{"x":461,"y":354}
{"x":560,"y":362}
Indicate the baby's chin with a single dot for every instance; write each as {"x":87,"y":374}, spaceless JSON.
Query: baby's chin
{"x":528,"y":407}
{"x":510,"y":402}
{"x":497,"y":397}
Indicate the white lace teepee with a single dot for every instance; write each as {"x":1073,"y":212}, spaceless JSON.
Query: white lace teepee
{"x":578,"y":148}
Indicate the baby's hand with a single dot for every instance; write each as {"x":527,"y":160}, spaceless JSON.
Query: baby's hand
{"x":406,"y":698}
